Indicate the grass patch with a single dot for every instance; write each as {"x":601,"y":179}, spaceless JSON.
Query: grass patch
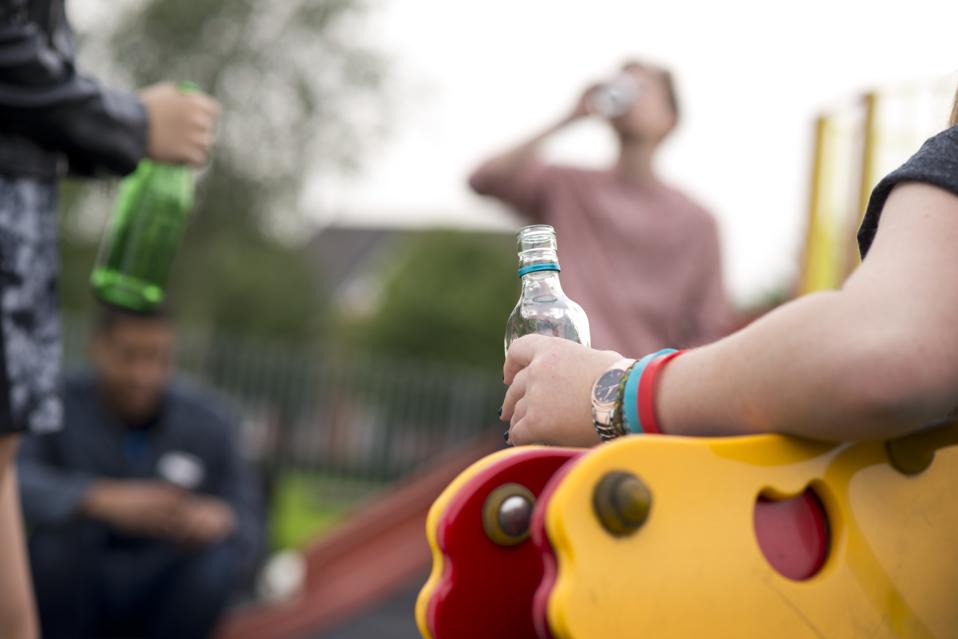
{"x":305,"y":505}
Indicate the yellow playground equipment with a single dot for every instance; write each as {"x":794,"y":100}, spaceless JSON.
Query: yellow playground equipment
{"x":760,"y":536}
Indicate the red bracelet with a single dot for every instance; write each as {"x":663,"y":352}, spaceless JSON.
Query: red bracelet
{"x":646,"y":394}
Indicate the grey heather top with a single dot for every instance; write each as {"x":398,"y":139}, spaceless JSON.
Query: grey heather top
{"x":936,"y":163}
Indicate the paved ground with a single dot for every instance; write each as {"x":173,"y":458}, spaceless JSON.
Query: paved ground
{"x":393,"y":619}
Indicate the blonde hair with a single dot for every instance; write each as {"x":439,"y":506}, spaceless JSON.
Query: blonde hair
{"x":954,"y":111}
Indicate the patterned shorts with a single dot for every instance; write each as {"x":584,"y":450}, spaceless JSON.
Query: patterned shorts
{"x":29,"y":318}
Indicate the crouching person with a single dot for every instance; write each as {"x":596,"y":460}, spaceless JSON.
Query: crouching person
{"x":142,"y":515}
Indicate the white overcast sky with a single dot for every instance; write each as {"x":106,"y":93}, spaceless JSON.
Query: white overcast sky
{"x":473,"y":77}
{"x":476,"y":76}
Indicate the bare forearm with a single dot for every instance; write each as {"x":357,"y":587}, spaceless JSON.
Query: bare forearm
{"x":515,"y":159}
{"x":877,"y":359}
{"x":17,"y":612}
{"x":811,"y":368}
{"x":95,"y":501}
{"x":141,"y":507}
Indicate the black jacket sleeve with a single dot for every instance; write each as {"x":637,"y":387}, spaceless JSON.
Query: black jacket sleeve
{"x":231,"y":478}
{"x":45,"y":99}
{"x":50,"y":493}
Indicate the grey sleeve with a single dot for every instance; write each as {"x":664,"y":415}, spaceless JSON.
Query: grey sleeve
{"x":936,"y":163}
{"x":50,"y":494}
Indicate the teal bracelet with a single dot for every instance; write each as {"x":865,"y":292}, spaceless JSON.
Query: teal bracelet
{"x":630,"y":400}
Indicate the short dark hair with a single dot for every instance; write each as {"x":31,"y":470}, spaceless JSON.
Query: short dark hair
{"x":668,"y":81}
{"x":108,"y":316}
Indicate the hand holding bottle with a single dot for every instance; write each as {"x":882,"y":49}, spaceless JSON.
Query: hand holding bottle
{"x":543,"y":307}
{"x":549,"y":400}
{"x":181,"y":124}
{"x":583,"y":106}
{"x":613,"y":98}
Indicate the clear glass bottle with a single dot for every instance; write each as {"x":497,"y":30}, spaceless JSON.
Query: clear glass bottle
{"x":543,"y":307}
{"x":615,"y":98}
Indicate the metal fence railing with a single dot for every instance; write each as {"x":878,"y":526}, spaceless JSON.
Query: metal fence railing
{"x":358,"y":421}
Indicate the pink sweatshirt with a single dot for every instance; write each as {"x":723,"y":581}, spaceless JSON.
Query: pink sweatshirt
{"x":643,"y":262}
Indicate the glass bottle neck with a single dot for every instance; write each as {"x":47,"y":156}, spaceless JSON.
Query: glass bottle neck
{"x":542,"y":281}
{"x":538,"y":267}
{"x":538,"y":259}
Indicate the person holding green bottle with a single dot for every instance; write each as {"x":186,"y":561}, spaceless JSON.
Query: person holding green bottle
{"x":144,"y":234}
{"x":55,"y":120}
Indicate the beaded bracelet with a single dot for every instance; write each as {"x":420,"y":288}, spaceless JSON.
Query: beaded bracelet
{"x":619,"y":426}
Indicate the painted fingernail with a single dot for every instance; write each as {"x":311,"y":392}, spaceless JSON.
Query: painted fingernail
{"x":505,"y":436}
{"x":500,"y":412}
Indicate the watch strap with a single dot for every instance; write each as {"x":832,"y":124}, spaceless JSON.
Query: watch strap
{"x":613,"y":428}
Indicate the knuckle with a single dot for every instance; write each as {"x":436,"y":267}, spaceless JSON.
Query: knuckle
{"x":548,"y":359}
{"x":532,"y":417}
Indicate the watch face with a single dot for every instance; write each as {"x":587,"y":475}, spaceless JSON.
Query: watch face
{"x":606,"y":386}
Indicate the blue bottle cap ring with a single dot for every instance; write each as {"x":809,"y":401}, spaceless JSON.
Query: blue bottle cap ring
{"x":533,"y":268}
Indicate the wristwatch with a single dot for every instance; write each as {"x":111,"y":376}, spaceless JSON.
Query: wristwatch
{"x":607,"y":399}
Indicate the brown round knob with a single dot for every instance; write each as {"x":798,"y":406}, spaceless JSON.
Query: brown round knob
{"x":507,"y":513}
{"x":621,"y":502}
{"x":910,"y":455}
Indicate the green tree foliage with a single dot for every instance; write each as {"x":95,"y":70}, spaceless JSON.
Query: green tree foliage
{"x":299,"y":92}
{"x":301,"y":95}
{"x":446,"y":299}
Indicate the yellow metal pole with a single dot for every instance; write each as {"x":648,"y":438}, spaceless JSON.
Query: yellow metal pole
{"x":811,"y":273}
{"x":869,"y":162}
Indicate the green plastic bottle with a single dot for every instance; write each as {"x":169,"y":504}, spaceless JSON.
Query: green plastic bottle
{"x":143,"y":235}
